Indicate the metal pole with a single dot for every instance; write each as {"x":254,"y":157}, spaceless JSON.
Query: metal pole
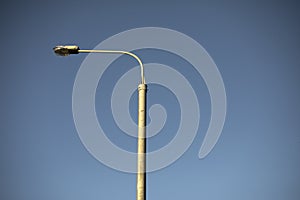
{"x":142,"y":88}
{"x":141,"y":162}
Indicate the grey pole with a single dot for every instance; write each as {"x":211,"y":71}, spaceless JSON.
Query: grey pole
{"x":141,"y":162}
{"x":142,"y":89}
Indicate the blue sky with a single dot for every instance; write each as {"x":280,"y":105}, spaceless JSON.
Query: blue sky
{"x":256,"y":48}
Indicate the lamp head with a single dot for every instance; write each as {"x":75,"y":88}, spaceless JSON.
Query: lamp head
{"x":66,"y":50}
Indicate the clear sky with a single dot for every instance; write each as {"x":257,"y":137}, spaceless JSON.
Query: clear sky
{"x":255,"y":45}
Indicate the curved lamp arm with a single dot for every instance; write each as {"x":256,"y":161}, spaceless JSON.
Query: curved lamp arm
{"x":72,"y":49}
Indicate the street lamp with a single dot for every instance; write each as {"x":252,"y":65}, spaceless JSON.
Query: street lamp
{"x":142,"y":88}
